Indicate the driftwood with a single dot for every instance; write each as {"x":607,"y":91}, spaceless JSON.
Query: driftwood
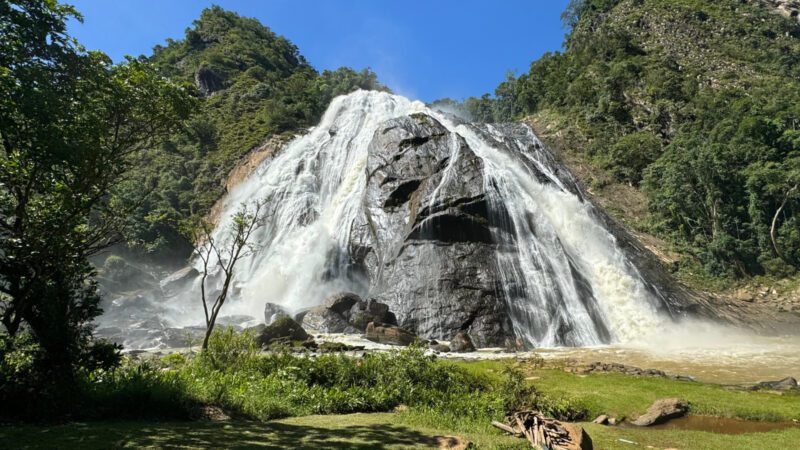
{"x":542,"y":432}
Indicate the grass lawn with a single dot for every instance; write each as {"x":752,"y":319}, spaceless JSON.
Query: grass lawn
{"x":608,"y":438}
{"x":621,"y":396}
{"x":350,"y":431}
{"x":614,"y":394}
{"x":628,"y":396}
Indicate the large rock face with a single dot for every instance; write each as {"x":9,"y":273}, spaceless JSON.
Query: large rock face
{"x":426,"y":238}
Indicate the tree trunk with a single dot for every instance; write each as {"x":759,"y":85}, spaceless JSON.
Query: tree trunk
{"x":774,"y":228}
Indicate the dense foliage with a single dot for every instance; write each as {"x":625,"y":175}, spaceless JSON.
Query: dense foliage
{"x":694,"y":102}
{"x":69,"y":122}
{"x":253,"y":84}
{"x":233,"y":374}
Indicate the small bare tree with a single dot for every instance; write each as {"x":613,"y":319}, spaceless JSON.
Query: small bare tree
{"x":224,"y":252}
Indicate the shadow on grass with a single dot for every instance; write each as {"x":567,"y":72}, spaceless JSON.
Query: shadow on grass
{"x":235,"y":435}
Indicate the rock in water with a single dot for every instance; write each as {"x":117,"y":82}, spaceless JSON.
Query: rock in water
{"x":283,"y":329}
{"x":661,"y":411}
{"x":341,"y":303}
{"x":389,"y":334}
{"x":461,"y":343}
{"x":272,"y":312}
{"x":178,"y":280}
{"x":325,"y":320}
{"x":364,"y":312}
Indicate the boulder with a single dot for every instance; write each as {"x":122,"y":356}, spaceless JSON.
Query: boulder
{"x":325,"y":320}
{"x":441,"y":348}
{"x":178,"y":280}
{"x":785,"y":384}
{"x":389,"y":334}
{"x":661,"y":411}
{"x":364,"y":312}
{"x":272,"y":312}
{"x":461,"y":343}
{"x":341,"y":303}
{"x":282,"y":329}
{"x":601,"y":420}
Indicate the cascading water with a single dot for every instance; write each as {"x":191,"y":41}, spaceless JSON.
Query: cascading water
{"x":560,"y":273}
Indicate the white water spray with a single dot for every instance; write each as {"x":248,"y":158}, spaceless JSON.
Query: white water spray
{"x":564,"y":278}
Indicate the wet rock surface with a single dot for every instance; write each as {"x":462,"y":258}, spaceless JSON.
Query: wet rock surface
{"x":273,"y":312}
{"x":285,"y":329}
{"x":461,"y":343}
{"x":426,"y":239}
{"x":347,"y":313}
{"x":389,"y":334}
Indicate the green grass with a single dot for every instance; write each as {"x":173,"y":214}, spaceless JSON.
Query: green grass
{"x":608,"y":438}
{"x":353,"y":431}
{"x":627,"y":396}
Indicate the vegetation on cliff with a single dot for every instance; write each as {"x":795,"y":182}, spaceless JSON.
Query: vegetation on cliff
{"x":692,"y":102}
{"x":252,"y":84}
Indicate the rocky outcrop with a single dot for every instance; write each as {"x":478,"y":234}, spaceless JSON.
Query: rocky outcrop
{"x":426,"y":238}
{"x":284,"y":329}
{"x":273,"y":312}
{"x":389,"y":334}
{"x":462,"y":343}
{"x":785,"y":384}
{"x":207,"y":81}
{"x":661,"y":411}
{"x":347,"y":313}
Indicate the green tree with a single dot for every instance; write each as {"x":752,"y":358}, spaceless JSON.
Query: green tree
{"x":70,"y":122}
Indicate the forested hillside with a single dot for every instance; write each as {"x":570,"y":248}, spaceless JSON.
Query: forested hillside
{"x":692,"y":103}
{"x":252,"y":84}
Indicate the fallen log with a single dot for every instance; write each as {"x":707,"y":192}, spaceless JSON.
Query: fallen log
{"x":507,"y":428}
{"x":542,"y":432}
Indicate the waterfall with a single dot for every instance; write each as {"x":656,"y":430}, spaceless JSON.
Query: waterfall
{"x":562,"y":276}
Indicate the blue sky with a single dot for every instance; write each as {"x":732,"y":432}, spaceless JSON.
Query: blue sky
{"x":421,"y":49}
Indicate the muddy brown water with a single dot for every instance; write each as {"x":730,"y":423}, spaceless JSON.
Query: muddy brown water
{"x":721,"y":425}
{"x":724,"y":359}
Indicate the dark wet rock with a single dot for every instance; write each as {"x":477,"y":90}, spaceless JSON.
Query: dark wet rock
{"x":347,"y":313}
{"x":272,"y":312}
{"x":338,"y":347}
{"x":341,"y":303}
{"x":299,"y":315}
{"x":325,"y":320}
{"x":661,"y":411}
{"x":785,"y":384}
{"x":178,"y":281}
{"x":461,"y":343}
{"x":283,"y":329}
{"x":389,"y":334}
{"x":364,"y":312}
{"x":423,"y":212}
{"x":441,"y":348}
